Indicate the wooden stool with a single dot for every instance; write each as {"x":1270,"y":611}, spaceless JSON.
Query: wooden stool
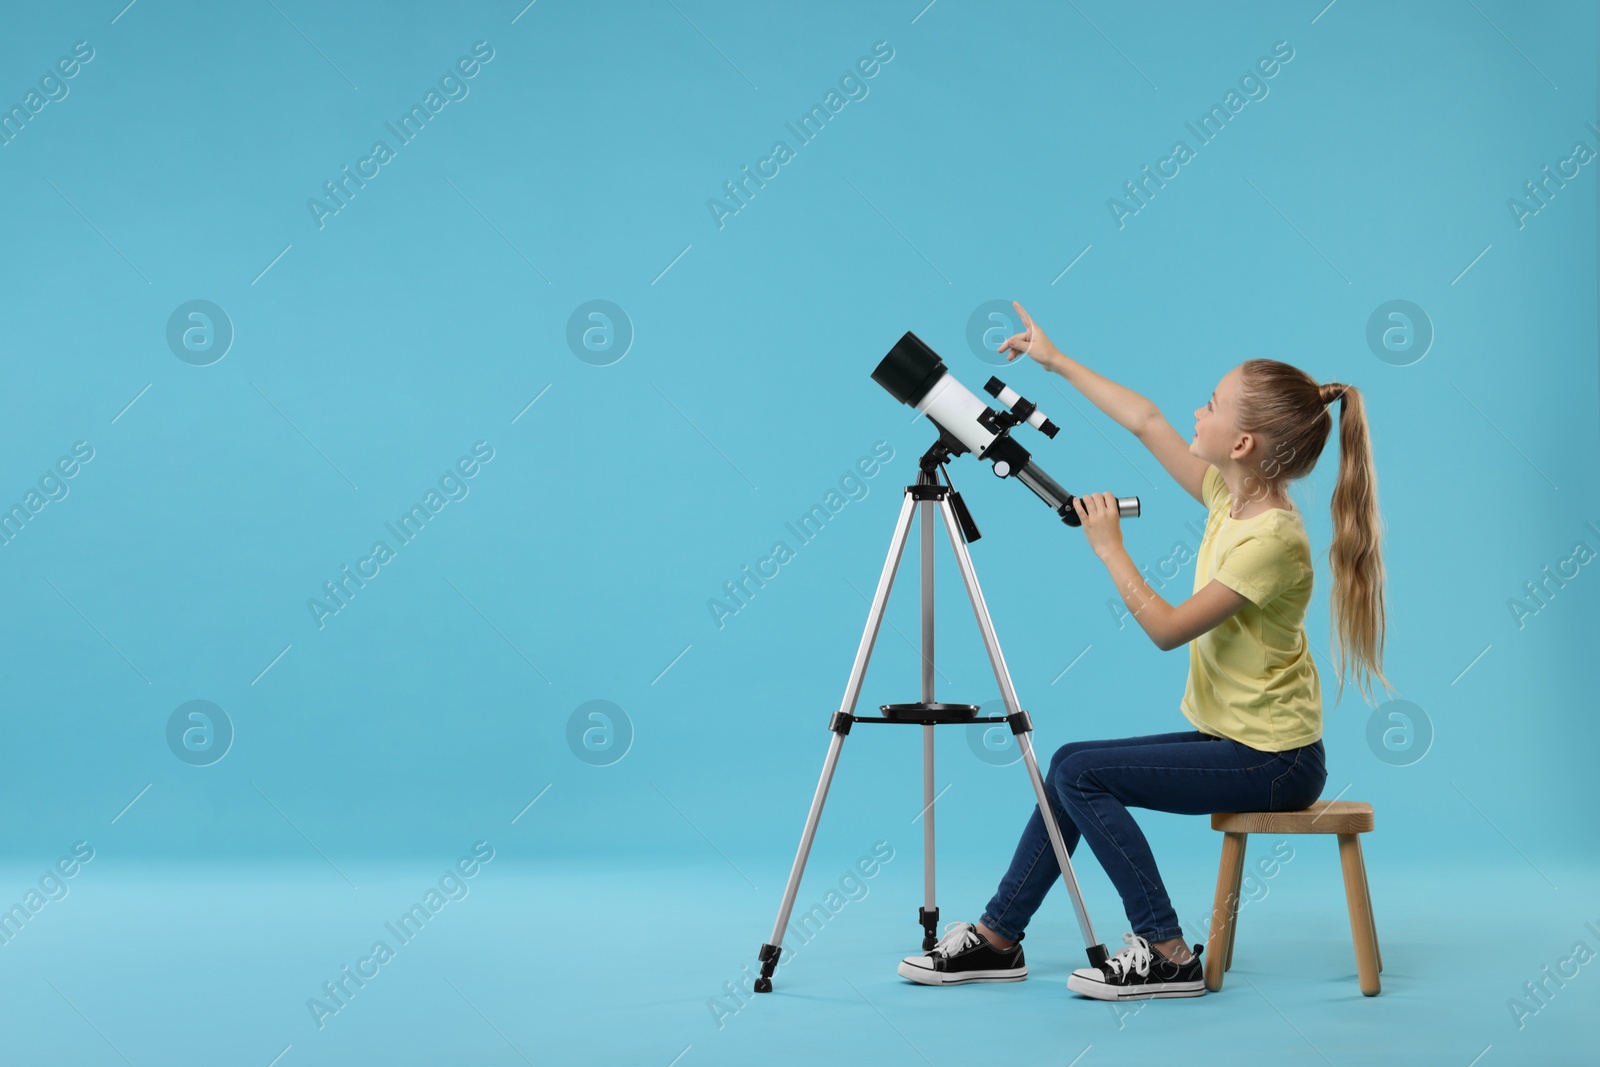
{"x":1348,"y":819}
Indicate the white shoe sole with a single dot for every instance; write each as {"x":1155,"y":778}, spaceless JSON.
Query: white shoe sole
{"x":1101,"y":990}
{"x":929,"y":976}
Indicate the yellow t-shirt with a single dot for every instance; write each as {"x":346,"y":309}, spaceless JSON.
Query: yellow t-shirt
{"x":1252,"y":678}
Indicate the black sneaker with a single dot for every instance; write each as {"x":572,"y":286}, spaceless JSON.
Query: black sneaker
{"x":1139,"y":972}
{"x":964,"y":955}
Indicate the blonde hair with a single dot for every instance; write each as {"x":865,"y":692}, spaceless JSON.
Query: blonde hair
{"x":1288,"y":409}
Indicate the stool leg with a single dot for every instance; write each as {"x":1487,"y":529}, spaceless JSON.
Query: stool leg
{"x":1225,"y":910}
{"x":1233,"y":927}
{"x":1366,"y":889}
{"x":1361,"y":928}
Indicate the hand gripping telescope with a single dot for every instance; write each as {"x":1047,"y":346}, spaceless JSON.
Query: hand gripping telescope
{"x":915,"y":375}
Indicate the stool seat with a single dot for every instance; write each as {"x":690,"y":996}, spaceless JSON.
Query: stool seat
{"x":1322,"y":817}
{"x":1346,"y":819}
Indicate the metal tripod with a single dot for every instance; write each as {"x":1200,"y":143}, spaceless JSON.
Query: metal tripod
{"x":941,"y":500}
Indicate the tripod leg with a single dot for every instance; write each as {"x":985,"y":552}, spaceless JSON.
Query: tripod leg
{"x":928,"y":914}
{"x":869,"y":637}
{"x":840,"y":725}
{"x":1021,"y":727}
{"x":768,"y":955}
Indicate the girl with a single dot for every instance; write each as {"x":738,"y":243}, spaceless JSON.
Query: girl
{"x":1253,"y":696}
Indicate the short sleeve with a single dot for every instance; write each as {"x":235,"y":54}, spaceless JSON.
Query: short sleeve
{"x":1212,"y":487}
{"x":1259,"y":568}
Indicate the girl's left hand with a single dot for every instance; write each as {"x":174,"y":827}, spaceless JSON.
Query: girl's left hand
{"x":1102,"y":522}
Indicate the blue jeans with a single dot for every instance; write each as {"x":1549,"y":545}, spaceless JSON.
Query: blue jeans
{"x":1091,"y":784}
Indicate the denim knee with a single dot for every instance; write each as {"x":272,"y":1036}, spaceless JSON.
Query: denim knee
{"x":1064,"y":751}
{"x":1065,"y":772}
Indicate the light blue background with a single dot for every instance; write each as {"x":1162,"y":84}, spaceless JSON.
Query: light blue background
{"x":432,"y":309}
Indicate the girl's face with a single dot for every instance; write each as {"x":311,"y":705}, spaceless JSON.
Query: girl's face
{"x":1214,"y":431}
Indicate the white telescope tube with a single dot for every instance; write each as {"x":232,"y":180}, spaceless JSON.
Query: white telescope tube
{"x":953,"y":406}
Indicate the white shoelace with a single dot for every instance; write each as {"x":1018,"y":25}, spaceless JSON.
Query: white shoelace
{"x":958,"y":937}
{"x":1136,"y":957}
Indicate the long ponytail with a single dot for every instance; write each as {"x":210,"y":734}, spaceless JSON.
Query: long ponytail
{"x":1283,"y":404}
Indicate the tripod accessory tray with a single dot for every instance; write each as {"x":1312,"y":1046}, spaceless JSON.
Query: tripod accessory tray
{"x":931,"y":713}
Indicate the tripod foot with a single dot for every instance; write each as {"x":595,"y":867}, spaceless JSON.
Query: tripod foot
{"x":769,"y":963}
{"x":929,"y":918}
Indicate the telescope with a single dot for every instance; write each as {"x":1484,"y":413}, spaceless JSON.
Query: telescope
{"x":914,"y":374}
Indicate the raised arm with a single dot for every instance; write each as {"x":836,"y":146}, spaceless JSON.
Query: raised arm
{"x":1135,"y":413}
